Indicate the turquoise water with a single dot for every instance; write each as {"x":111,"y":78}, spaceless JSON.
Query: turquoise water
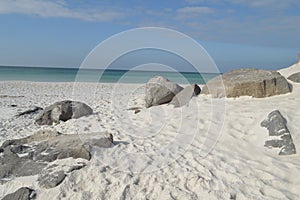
{"x":42,"y":74}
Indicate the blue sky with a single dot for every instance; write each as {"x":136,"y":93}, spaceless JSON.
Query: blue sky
{"x":236,"y":33}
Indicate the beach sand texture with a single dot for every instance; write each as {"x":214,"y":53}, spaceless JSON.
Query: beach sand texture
{"x":211,"y":149}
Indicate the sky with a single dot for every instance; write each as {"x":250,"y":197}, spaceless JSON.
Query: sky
{"x":235,"y":33}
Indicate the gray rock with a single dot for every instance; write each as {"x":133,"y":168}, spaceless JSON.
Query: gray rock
{"x":160,"y":90}
{"x":295,"y":77}
{"x":51,"y":180}
{"x":105,"y":142}
{"x":185,"y":95}
{"x":36,"y":137}
{"x":60,"y":147}
{"x":63,"y":110}
{"x":28,"y":156}
{"x":24,"y":193}
{"x":247,"y":82}
{"x":277,"y":126}
{"x":13,"y":164}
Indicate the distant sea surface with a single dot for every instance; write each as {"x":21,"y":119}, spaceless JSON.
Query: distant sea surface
{"x":43,"y":74}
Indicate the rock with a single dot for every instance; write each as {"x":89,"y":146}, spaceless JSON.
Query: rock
{"x":32,"y":110}
{"x":247,"y":82}
{"x":160,"y":90}
{"x":51,"y":180}
{"x":185,"y":95}
{"x":276,"y":125}
{"x":76,"y":167}
{"x":29,"y":156}
{"x":137,"y":111}
{"x":53,"y":175}
{"x":63,"y":110}
{"x":105,"y":142}
{"x":24,"y":193}
{"x":36,"y":137}
{"x":60,"y":147}
{"x":13,"y":164}
{"x":295,"y":77}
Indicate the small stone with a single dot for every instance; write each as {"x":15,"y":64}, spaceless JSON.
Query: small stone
{"x":137,"y":111}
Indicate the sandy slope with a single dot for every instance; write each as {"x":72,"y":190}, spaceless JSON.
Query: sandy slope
{"x":211,"y":149}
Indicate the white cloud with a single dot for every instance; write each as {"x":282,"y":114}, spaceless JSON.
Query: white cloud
{"x":58,"y":8}
{"x":267,"y":3}
{"x":195,"y":10}
{"x":270,"y":4}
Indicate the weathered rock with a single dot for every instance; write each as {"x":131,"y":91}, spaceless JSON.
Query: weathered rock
{"x":14,"y":164}
{"x":295,"y":77}
{"x":185,"y":95}
{"x":60,"y":147}
{"x":247,"y":82}
{"x":51,"y":180}
{"x":276,"y":124}
{"x":28,"y":156}
{"x":63,"y":110}
{"x":160,"y":90}
{"x":24,"y":193}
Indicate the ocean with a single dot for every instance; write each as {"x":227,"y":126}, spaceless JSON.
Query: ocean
{"x":44,"y":74}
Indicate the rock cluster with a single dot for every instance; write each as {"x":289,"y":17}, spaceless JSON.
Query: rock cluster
{"x":28,"y":156}
{"x":31,"y":155}
{"x":160,"y":90}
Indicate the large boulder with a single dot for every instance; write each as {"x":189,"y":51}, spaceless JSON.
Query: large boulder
{"x":63,"y":110}
{"x":160,"y":90}
{"x":23,"y":193}
{"x":295,"y":77}
{"x":247,"y":82}
{"x":30,"y":155}
{"x":185,"y":95}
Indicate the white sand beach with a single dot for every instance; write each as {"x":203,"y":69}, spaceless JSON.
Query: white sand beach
{"x":210,"y":149}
